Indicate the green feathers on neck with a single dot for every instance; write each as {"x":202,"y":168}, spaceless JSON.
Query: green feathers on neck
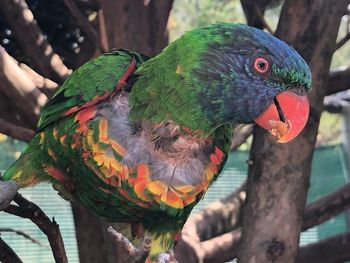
{"x":166,"y":88}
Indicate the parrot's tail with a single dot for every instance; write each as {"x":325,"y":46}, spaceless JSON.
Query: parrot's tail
{"x":22,"y":172}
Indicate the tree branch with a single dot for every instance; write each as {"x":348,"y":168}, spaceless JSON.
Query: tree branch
{"x":136,"y":254}
{"x":240,"y":135}
{"x":47,"y":86}
{"x":83,"y":23}
{"x":222,"y":225}
{"x":32,"y":41}
{"x":330,"y":250}
{"x":255,"y":14}
{"x":337,"y":102}
{"x":220,"y":217}
{"x":7,"y":255}
{"x":326,"y":207}
{"x":339,"y":80}
{"x":15,"y":131}
{"x":22,"y":233}
{"x":343,"y":41}
{"x":22,"y":91}
{"x":27,"y":209}
{"x":222,"y":248}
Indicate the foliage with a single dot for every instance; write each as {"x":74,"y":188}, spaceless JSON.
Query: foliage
{"x":187,"y":14}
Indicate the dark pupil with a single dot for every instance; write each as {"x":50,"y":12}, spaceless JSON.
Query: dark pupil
{"x":261,"y":65}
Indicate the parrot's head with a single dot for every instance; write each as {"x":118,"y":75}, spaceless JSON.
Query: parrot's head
{"x":254,"y":77}
{"x":226,"y":73}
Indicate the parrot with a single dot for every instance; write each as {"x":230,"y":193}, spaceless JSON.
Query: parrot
{"x":140,"y":139}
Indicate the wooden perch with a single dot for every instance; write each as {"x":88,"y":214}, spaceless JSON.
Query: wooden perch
{"x":27,"y":209}
{"x":32,"y":41}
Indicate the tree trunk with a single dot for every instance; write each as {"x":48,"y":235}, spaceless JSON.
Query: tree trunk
{"x":279,"y":174}
{"x":94,"y":242}
{"x":135,"y":26}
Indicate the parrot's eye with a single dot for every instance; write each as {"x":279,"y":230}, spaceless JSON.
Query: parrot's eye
{"x":261,"y":65}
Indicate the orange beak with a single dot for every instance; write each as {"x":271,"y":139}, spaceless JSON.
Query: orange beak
{"x":286,"y":117}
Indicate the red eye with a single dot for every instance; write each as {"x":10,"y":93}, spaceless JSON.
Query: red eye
{"x":261,"y":65}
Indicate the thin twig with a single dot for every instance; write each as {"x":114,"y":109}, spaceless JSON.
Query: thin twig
{"x":25,"y":235}
{"x":343,"y":41}
{"x":27,"y":209}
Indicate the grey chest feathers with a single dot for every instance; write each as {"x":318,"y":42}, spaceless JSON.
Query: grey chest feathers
{"x":174,"y":158}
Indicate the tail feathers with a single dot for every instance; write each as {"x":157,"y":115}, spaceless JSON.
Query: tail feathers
{"x":22,"y":172}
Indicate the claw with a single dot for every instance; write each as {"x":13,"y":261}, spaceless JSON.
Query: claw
{"x":8,"y":191}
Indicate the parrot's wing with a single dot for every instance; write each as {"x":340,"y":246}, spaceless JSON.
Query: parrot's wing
{"x":94,"y":81}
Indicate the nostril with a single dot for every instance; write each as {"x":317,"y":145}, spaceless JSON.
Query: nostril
{"x":299,"y":90}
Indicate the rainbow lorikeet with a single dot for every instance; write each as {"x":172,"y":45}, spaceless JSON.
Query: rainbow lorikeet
{"x":140,"y":140}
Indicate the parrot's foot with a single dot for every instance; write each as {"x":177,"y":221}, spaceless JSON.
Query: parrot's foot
{"x":8,"y":191}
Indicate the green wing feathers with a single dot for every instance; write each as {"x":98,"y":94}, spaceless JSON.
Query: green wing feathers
{"x":94,"y":81}
{"x":89,"y":84}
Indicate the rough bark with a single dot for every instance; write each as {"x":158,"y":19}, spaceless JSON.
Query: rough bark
{"x":32,"y":41}
{"x":279,"y":174}
{"x":136,"y":25}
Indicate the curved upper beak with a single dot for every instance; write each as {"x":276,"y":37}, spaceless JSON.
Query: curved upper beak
{"x":286,"y":117}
